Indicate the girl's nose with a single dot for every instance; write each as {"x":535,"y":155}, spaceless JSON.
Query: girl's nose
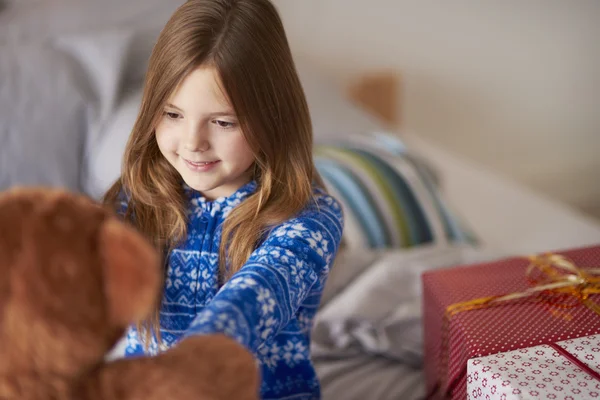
{"x":197,"y":140}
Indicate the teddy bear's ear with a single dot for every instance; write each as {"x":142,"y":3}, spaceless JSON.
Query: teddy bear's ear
{"x":131,"y":273}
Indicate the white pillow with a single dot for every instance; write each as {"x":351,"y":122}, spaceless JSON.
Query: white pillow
{"x":103,"y":162}
{"x":103,"y":60}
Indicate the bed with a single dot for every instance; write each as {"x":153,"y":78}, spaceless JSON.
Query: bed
{"x":435,"y":209}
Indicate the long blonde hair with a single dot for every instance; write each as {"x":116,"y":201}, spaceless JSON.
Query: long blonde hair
{"x":245,"y":41}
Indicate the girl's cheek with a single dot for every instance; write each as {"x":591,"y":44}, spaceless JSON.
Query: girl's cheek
{"x":166,"y":140}
{"x":237,"y":143}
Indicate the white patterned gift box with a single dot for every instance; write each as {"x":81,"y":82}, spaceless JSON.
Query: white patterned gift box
{"x":566,"y":370}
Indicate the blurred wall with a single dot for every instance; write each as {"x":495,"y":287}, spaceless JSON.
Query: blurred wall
{"x":513,"y":84}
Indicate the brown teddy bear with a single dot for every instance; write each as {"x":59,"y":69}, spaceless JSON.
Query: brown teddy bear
{"x":72,"y":278}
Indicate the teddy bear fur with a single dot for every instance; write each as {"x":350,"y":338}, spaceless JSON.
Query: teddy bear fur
{"x":72,"y":279}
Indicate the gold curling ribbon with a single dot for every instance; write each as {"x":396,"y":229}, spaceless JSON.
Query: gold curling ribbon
{"x":559,"y":275}
{"x":552,"y":274}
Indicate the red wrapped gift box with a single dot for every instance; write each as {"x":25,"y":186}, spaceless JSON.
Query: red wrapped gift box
{"x":482,"y":328}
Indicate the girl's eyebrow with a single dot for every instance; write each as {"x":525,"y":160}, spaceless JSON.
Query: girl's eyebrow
{"x":224,"y":113}
{"x":174,"y":107}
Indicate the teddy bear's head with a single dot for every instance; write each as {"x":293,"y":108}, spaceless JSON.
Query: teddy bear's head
{"x":72,"y":277}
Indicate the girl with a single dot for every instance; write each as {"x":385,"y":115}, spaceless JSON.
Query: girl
{"x":218,"y":173}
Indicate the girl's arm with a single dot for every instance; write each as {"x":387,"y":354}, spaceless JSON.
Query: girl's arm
{"x":262,"y":297}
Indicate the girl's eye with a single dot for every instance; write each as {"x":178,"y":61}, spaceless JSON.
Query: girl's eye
{"x":224,"y":124}
{"x":171,"y":115}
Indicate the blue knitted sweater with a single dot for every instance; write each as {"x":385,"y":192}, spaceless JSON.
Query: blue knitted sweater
{"x":268,"y":305}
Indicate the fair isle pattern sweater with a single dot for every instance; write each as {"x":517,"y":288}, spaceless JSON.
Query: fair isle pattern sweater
{"x":269,"y":305}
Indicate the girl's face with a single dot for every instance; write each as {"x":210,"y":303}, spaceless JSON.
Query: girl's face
{"x":200,"y":136}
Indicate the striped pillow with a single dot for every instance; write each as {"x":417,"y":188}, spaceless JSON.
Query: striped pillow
{"x":390,"y":198}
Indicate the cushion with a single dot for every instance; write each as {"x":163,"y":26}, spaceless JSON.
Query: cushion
{"x":103,"y":58}
{"x":389,"y":197}
{"x":43,"y":111}
{"x":55,"y":99}
{"x":103,"y":164}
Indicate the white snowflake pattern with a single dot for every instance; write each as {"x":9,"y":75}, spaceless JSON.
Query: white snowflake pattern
{"x":197,"y":208}
{"x":233,"y":203}
{"x":269,"y":355}
{"x":224,"y":323}
{"x":262,"y":251}
{"x":174,"y":278}
{"x":294,"y":353}
{"x":290,"y":270}
{"x":266,"y":327}
{"x":287,"y":255}
{"x":265,"y":297}
{"x":134,"y":339}
{"x":275,"y":253}
{"x":193,"y":286}
{"x":243,"y":282}
{"x":300,"y":271}
{"x":193,"y":280}
{"x":329,"y":201}
{"x":202,"y":318}
{"x":294,"y":269}
{"x":290,"y":230}
{"x":207,"y":280}
{"x":318,"y":243}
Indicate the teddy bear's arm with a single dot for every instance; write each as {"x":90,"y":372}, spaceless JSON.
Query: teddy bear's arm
{"x":212,"y":367}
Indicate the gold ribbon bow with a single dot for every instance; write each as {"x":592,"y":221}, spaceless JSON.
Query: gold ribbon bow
{"x":551,"y":273}
{"x":553,"y":279}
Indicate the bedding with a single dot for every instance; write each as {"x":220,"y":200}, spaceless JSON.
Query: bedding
{"x":367,"y":338}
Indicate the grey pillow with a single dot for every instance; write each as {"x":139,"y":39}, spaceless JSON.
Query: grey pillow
{"x":55,"y":98}
{"x":43,"y":114}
